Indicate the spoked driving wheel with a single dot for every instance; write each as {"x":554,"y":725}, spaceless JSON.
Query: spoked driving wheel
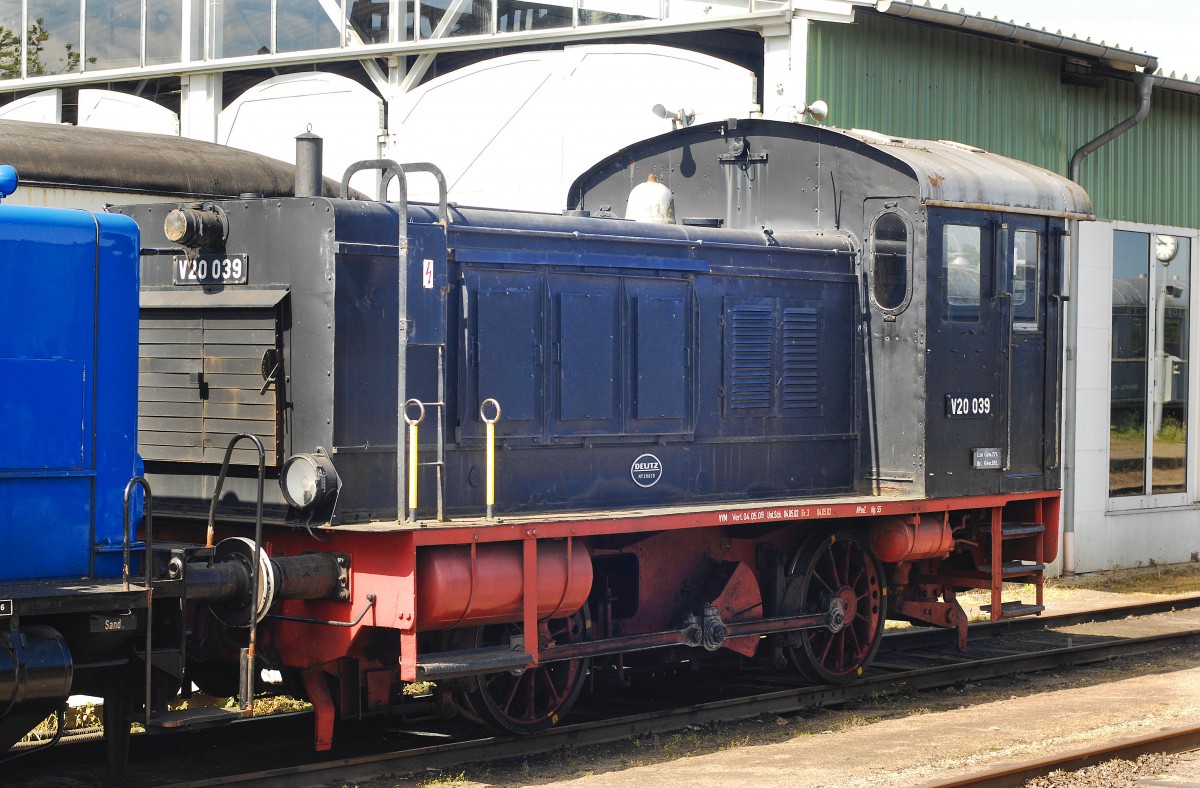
{"x":536,"y":698}
{"x":840,"y":577}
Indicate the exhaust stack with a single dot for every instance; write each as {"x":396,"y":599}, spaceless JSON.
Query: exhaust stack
{"x":309,"y":148}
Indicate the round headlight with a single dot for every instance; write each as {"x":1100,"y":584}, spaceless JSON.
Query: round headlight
{"x":307,"y":479}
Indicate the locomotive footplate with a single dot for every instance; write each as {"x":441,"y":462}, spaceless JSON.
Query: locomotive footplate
{"x":32,"y":599}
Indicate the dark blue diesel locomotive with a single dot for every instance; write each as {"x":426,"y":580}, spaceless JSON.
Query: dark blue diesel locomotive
{"x":748,"y":356}
{"x":850,"y":320}
{"x":761,"y":386}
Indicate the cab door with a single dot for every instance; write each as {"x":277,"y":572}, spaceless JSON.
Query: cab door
{"x":966,"y":352}
{"x":1031,"y":376}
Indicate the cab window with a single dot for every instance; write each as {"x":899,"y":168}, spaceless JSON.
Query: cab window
{"x":889,"y":262}
{"x":960,"y":273}
{"x":1025,"y":280}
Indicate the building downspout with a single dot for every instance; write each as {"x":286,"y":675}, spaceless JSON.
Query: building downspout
{"x":1145,"y":83}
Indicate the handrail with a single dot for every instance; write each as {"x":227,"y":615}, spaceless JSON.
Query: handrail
{"x":246,"y":685}
{"x":393,"y":170}
{"x":147,"y":565}
{"x":431,"y":169}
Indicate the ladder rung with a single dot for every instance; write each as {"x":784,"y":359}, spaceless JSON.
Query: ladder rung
{"x":1014,"y":609}
{"x":1013,"y":530}
{"x":193,"y":718}
{"x":1015,"y":569}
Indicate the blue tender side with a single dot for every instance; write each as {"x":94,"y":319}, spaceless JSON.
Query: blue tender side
{"x":68,"y":390}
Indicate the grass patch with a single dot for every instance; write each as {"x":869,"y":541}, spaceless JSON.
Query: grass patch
{"x":1160,"y":580}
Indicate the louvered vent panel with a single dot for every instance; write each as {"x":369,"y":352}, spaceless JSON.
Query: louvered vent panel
{"x":200,"y":383}
{"x":801,"y":341}
{"x":751,"y":338}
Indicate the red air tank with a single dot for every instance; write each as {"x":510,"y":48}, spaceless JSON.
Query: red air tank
{"x":471,"y":585}
{"x":895,"y":539}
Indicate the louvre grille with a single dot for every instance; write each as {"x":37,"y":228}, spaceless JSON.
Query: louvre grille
{"x":200,"y":383}
{"x":801,"y":340}
{"x":750,"y":356}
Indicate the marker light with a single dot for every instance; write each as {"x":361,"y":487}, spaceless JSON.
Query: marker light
{"x":308,"y":479}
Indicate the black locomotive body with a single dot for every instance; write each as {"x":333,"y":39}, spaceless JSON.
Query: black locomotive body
{"x":761,"y":386}
{"x":815,"y":324}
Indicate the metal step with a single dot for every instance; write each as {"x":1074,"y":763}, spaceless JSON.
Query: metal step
{"x":1014,"y":609}
{"x":1015,"y":569}
{"x":471,"y":662}
{"x":193,"y":718}
{"x":1014,"y":530}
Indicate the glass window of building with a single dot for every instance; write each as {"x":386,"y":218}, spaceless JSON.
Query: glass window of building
{"x":599,"y":12}
{"x":369,"y":19}
{"x":306,"y":24}
{"x":113,"y":33}
{"x":514,"y":17}
{"x":10,"y":39}
{"x":164,"y":31}
{"x":447,"y":18}
{"x":960,"y":272}
{"x":244,"y":28}
{"x":53,"y":45}
{"x":1151,"y":327}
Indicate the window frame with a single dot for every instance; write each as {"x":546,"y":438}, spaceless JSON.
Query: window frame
{"x":1171,"y":500}
{"x":982,"y":231}
{"x":870,"y":269}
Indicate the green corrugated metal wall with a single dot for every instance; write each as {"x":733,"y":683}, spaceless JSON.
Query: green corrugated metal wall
{"x":913,"y":80}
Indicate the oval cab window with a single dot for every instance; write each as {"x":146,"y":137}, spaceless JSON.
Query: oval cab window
{"x":889,"y":263}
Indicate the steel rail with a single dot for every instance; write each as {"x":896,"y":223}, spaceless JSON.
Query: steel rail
{"x":774,"y":701}
{"x":1167,"y":742}
{"x":908,"y":639}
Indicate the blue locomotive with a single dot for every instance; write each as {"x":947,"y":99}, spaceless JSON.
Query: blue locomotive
{"x":68,"y":428}
{"x":761,"y":386}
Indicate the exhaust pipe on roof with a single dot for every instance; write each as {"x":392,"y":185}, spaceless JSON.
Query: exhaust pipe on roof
{"x":308,"y":165}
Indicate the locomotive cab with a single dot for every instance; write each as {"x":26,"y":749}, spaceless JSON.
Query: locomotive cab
{"x":960,"y":283}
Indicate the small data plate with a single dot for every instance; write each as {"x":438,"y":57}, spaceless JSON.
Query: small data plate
{"x":985,"y":459}
{"x":122,"y":622}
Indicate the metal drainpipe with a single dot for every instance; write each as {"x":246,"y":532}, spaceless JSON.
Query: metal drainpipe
{"x":1145,"y":86}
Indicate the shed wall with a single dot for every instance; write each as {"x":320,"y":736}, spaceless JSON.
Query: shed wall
{"x":914,"y":80}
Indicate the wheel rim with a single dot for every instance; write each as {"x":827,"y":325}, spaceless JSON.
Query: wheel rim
{"x":538,"y":697}
{"x":837,"y":571}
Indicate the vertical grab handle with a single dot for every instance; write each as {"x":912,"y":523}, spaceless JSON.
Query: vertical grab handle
{"x":140,"y":481}
{"x":491,"y":451}
{"x":413,"y":423}
{"x":246,"y":685}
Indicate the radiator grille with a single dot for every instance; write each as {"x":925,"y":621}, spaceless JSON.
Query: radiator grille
{"x":801,"y":339}
{"x":200,"y":383}
{"x":751,"y":338}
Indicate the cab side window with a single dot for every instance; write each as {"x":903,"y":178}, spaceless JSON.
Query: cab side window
{"x":1026,"y":277}
{"x":960,"y":273}
{"x":890,"y":277}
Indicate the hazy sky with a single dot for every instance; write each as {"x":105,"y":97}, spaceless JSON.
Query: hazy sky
{"x":1167,"y":29}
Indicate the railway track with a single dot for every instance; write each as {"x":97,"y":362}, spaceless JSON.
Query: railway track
{"x":912,"y":660}
{"x":1164,"y":742}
